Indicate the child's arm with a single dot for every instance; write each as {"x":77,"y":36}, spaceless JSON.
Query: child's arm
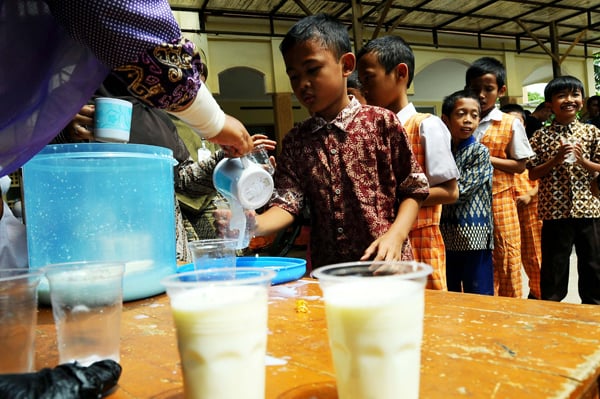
{"x":590,"y":166}
{"x":272,"y":221}
{"x":517,"y":151}
{"x":541,"y":170}
{"x":443,"y":193}
{"x":525,"y":199}
{"x":389,"y":245}
{"x":508,"y":165}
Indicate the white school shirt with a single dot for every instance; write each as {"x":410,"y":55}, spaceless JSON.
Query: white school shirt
{"x":435,"y":139}
{"x":518,"y":147}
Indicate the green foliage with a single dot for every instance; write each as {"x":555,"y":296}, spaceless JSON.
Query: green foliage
{"x":535,"y":98}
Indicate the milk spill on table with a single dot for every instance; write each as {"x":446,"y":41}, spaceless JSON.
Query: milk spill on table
{"x":375,"y":335}
{"x":222,"y":337}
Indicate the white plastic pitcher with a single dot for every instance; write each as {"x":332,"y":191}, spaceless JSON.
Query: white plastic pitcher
{"x":245,"y":185}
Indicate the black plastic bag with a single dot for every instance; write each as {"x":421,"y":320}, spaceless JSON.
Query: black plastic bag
{"x":67,"y":381}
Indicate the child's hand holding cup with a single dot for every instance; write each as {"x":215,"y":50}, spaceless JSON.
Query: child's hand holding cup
{"x":570,"y":150}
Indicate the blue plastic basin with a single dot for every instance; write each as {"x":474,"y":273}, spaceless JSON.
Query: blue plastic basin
{"x":288,"y":269}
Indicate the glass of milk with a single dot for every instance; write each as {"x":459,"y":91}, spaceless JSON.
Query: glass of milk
{"x":221,"y":321}
{"x":374,"y":316}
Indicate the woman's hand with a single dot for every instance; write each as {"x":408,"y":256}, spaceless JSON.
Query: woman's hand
{"x":233,"y":138}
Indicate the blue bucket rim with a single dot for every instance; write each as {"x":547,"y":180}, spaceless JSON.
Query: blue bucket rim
{"x":104,"y":150}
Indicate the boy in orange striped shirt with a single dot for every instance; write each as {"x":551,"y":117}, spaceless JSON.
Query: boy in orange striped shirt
{"x":509,"y":149}
{"x":386,"y":70}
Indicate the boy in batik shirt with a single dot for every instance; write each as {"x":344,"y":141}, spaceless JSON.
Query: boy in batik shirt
{"x":567,"y":207}
{"x":350,"y":162}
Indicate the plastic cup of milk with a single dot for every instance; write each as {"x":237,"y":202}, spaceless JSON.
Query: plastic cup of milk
{"x":374,"y":316}
{"x":112,"y":120}
{"x":221,"y":321}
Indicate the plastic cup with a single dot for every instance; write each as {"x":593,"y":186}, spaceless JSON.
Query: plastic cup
{"x":221,"y":321}
{"x":87,"y":301}
{"x":375,"y":326}
{"x":213,"y":253}
{"x":260,"y":156}
{"x":18,"y":319}
{"x":112,"y":120}
{"x":570,"y":158}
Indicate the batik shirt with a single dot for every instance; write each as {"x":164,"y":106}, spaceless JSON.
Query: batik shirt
{"x":351,"y":172}
{"x":467,"y":224}
{"x":565,"y":191}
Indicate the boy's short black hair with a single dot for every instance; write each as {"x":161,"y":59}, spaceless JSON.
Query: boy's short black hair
{"x":591,"y":99}
{"x":514,"y":108}
{"x":322,"y":28}
{"x":391,"y":51}
{"x":450,"y":101}
{"x":540,"y":106}
{"x":485,"y":65}
{"x":561,"y":83}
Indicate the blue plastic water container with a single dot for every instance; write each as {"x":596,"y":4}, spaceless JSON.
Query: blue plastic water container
{"x":103,"y":201}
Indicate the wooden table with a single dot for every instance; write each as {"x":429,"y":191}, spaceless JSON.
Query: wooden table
{"x":473,"y":347}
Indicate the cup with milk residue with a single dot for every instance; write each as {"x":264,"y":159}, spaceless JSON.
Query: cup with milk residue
{"x":374,"y":314}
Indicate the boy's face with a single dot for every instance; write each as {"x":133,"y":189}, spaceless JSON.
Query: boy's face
{"x":463,"y":120}
{"x":487,"y":89}
{"x":565,"y":105}
{"x":379,"y":88}
{"x":318,"y":78}
{"x":594,"y":108}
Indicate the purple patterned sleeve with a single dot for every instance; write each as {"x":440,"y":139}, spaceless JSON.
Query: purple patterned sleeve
{"x":141,"y":41}
{"x":166,"y":77}
{"x":117,"y":31}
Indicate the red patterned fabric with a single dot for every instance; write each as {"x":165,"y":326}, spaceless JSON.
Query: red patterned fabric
{"x":351,"y":172}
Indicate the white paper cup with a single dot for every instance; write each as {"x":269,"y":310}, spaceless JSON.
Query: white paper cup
{"x":375,"y":326}
{"x":87,"y":301}
{"x":18,"y":319}
{"x":112,"y":120}
{"x":221,"y":321}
